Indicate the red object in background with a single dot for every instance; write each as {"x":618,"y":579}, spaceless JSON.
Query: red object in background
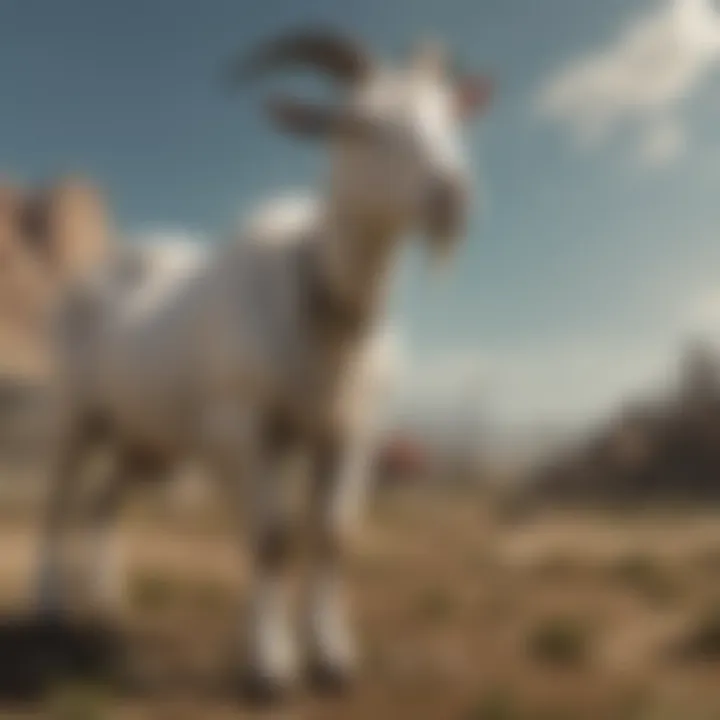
{"x":402,"y":456}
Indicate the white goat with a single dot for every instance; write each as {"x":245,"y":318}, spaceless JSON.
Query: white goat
{"x":254,"y":348}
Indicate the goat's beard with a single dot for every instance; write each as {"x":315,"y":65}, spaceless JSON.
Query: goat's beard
{"x":442,"y":248}
{"x":443,"y":231}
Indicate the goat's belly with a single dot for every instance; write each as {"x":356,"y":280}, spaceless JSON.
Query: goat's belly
{"x":152,"y":429}
{"x":149,"y":411}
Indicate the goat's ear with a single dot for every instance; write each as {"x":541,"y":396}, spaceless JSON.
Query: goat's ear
{"x":473,"y":95}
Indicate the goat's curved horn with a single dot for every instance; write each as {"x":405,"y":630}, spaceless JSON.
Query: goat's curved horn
{"x":331,"y":52}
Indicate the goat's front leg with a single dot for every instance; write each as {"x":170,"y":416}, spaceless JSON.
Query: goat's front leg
{"x":273,"y":661}
{"x":102,"y":571}
{"x":251,"y":470}
{"x":341,"y":483}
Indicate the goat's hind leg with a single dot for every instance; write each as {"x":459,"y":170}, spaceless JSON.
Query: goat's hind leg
{"x":273,"y":658}
{"x":251,"y":470}
{"x":102,"y":572}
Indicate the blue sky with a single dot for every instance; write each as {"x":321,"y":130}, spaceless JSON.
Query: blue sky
{"x":594,"y":248}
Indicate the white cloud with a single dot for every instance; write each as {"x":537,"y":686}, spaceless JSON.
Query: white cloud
{"x":701,"y":318}
{"x":662,"y":142}
{"x":566,"y":382}
{"x":641,"y":79}
{"x":569,"y":383}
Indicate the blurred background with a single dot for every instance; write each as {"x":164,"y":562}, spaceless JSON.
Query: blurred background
{"x":544,"y":541}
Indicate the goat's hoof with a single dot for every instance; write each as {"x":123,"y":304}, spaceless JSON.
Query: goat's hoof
{"x":264,"y":691}
{"x":329,"y":678}
{"x":51,"y":615}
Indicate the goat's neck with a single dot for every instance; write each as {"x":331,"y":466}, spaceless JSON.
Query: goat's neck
{"x":357,"y":256}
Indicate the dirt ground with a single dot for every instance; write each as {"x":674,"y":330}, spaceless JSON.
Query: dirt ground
{"x":463,"y":616}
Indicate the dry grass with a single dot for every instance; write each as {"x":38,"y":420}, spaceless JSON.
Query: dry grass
{"x":461,"y":617}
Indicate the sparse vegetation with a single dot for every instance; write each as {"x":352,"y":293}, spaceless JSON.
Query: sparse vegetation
{"x":436,"y":604}
{"x":703,"y":638}
{"x":709,"y":560}
{"x":561,"y":567}
{"x":496,"y":704}
{"x":561,"y":641}
{"x":532,"y":622}
{"x":77,"y":702}
{"x":153,"y":591}
{"x":648,"y":576}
